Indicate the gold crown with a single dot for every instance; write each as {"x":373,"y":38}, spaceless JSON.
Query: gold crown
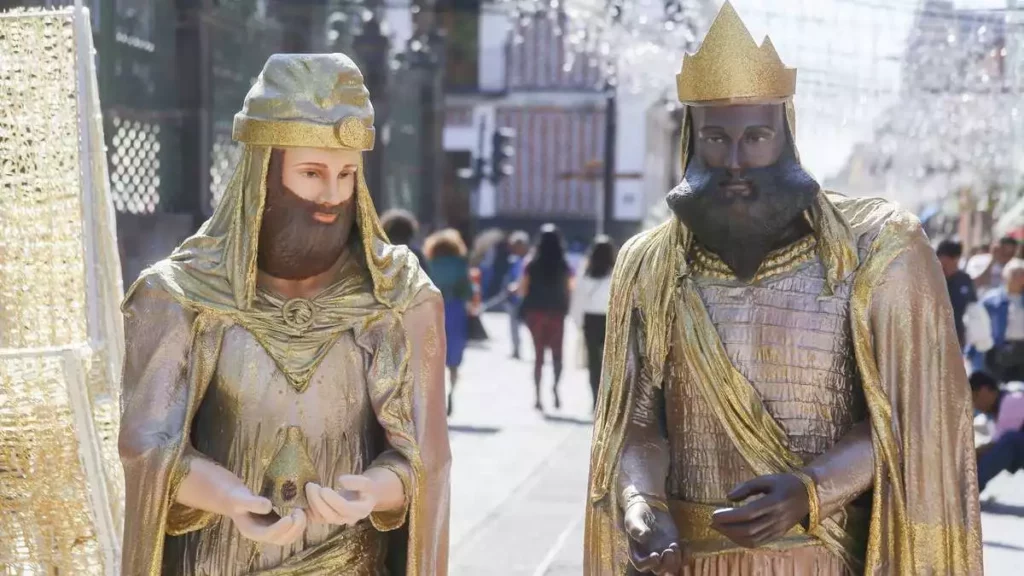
{"x":730,"y":66}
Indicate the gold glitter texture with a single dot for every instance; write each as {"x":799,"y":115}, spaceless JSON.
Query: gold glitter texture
{"x":707,"y":263}
{"x":730,"y":66}
{"x":308,"y":100}
{"x":284,"y":482}
{"x":61,"y":487}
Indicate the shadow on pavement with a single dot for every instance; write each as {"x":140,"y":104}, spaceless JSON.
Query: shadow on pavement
{"x":1002,"y":509}
{"x":474,"y":429}
{"x":568,"y":420}
{"x":1003,"y":546}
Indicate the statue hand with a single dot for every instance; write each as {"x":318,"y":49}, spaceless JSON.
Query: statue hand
{"x":255,"y":520}
{"x":784,"y":504}
{"x":356,"y":502}
{"x":653,"y":540}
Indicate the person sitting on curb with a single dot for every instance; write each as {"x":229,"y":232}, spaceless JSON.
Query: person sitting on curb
{"x":1006,"y":408}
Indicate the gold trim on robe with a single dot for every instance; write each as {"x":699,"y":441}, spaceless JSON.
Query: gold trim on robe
{"x":908,"y":359}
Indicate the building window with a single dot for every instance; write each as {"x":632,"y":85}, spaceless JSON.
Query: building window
{"x":461,"y":22}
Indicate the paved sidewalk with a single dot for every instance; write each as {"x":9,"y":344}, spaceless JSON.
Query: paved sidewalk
{"x":519,"y":477}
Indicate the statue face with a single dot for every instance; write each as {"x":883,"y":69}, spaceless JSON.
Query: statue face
{"x":739,"y":137}
{"x":309,"y":211}
{"x":744,"y":190}
{"x":321,"y":175}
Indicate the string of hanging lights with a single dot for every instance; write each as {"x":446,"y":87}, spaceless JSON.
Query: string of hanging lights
{"x":633,"y":43}
{"x":935,"y":91}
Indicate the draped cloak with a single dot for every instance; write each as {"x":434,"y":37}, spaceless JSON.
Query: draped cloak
{"x":924,"y":516}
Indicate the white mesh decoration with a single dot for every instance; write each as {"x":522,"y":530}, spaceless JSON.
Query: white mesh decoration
{"x":223,"y":158}
{"x":61,"y":485}
{"x":135,"y":166}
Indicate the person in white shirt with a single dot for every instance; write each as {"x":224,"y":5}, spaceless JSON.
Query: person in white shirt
{"x":1005,"y":307}
{"x":987,"y":268}
{"x":589,"y":306}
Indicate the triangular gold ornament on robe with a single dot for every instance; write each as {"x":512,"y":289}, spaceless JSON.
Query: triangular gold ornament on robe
{"x":730,"y":67}
{"x":284,"y":482}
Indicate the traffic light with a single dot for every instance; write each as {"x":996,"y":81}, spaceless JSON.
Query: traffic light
{"x":502,"y":152}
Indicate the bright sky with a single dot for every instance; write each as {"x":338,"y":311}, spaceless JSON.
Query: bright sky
{"x":848,"y":55}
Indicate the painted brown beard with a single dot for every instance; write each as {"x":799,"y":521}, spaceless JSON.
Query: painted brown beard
{"x":292,"y":244}
{"x":742,"y":231}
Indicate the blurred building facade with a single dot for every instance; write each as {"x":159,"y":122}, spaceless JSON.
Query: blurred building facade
{"x":172,"y":75}
{"x":519,"y":75}
{"x":443,"y":76}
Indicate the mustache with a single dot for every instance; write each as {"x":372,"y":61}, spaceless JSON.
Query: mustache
{"x":296,"y":202}
{"x":285,"y":209}
{"x":784,"y":180}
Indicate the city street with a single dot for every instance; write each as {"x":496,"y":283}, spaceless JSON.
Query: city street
{"x":519,"y":478}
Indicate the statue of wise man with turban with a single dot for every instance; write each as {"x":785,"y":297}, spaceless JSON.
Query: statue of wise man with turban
{"x":783,"y":390}
{"x":283,"y":390}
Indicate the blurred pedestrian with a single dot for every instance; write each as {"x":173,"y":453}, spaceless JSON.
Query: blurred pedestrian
{"x":519,"y":246}
{"x":988,"y":268}
{"x":446,"y":253}
{"x":545,"y":288}
{"x":1005,"y":450}
{"x":973,"y":326}
{"x":487,"y":250}
{"x":401,"y":228}
{"x":589,"y":307}
{"x":1006,"y":311}
{"x":495,"y":286}
{"x":476,"y":331}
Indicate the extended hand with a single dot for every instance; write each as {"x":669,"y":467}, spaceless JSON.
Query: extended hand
{"x":356,"y":502}
{"x":254,"y":519}
{"x":653,"y":541}
{"x":784,"y":504}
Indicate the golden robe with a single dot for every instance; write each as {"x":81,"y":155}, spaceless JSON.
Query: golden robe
{"x":217,"y":368}
{"x":844,"y":344}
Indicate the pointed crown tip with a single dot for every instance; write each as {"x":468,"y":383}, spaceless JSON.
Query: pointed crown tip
{"x":730,"y":65}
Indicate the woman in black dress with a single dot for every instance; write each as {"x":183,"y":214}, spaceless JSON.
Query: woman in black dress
{"x":545,"y":287}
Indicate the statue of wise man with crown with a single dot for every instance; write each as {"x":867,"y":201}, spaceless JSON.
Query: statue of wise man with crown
{"x":783,"y":389}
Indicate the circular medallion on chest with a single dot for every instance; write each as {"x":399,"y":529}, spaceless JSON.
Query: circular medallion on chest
{"x":298,"y":313}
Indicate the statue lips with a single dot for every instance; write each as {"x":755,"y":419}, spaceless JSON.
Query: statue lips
{"x":325,"y":218}
{"x":738,"y":190}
